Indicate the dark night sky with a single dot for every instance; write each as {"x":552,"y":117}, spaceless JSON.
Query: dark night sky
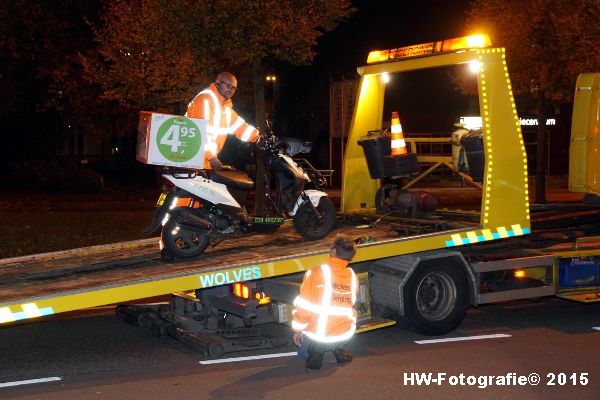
{"x":380,"y":25}
{"x":388,"y":24}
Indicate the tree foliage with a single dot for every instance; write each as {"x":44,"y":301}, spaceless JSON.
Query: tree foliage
{"x":548,"y":42}
{"x":98,"y":63}
{"x":286,"y":30}
{"x":41,"y":76}
{"x":158,"y":52}
{"x":44,"y":40}
{"x":149,"y":54}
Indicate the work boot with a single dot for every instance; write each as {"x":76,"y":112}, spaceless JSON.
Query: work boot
{"x":342,"y":356}
{"x":315,"y":357}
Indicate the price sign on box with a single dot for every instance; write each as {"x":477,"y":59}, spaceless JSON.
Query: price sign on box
{"x":171,"y":140}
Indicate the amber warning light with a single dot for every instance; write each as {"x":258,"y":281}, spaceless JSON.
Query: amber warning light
{"x":424,"y":49}
{"x":243,"y":291}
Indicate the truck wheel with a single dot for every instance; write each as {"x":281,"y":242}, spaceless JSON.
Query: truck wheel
{"x":215,"y":350}
{"x":307,"y":223}
{"x":436,"y":299}
{"x":183,"y":242}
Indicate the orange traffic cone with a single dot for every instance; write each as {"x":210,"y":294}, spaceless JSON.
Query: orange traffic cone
{"x":398,"y":143}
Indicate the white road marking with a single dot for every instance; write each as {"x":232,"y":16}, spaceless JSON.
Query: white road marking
{"x":236,"y":359}
{"x":30,"y":381}
{"x":463,"y":338}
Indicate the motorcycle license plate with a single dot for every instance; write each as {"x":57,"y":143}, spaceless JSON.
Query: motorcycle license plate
{"x":268,"y":220}
{"x":161,"y":199}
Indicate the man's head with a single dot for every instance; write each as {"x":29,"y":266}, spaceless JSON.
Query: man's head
{"x":344,"y":248}
{"x":226,"y":84}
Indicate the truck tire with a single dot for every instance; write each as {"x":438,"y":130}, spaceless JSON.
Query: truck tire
{"x":436,"y":298}
{"x":182,"y":242}
{"x":307,"y":224}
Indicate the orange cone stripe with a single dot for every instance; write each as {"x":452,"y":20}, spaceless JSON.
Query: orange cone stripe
{"x":398,"y":144}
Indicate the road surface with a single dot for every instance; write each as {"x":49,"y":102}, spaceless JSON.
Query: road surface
{"x":495,"y":354}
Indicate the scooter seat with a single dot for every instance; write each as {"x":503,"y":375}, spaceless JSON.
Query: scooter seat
{"x":233,"y":178}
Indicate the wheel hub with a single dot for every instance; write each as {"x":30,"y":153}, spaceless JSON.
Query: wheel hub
{"x":436,"y":296}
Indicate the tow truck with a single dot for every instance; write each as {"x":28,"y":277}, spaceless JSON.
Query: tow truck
{"x":417,"y":266}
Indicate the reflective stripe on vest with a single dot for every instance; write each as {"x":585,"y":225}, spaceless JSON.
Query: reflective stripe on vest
{"x":247,"y":134}
{"x":227,"y":116}
{"x":238,"y":122}
{"x":325,"y":309}
{"x":215,"y":127}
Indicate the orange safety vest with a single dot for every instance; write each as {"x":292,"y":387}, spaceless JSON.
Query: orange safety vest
{"x":324,"y":309}
{"x":222,"y":121}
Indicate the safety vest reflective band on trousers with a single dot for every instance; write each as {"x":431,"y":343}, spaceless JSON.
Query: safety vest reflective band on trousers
{"x":326,"y":313}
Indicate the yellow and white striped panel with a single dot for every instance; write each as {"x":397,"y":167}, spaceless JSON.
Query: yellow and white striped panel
{"x":484,"y":235}
{"x":29,"y":310}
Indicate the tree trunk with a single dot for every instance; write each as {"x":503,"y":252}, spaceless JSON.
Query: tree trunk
{"x":541,"y":155}
{"x":179,"y":108}
{"x":259,"y":119}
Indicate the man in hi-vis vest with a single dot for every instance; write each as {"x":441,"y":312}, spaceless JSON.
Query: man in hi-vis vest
{"x":324,"y":316}
{"x":214,"y":105}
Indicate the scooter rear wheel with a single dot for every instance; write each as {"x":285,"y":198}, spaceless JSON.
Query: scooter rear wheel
{"x":307,"y":223}
{"x":183,"y":242}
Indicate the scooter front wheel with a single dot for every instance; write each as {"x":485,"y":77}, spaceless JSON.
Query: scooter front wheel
{"x":183,"y":242}
{"x":309,"y":225}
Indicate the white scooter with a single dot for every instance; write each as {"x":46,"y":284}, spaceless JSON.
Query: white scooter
{"x":203,"y":208}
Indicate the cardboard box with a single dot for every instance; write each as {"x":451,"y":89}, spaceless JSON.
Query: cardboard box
{"x":171,"y":140}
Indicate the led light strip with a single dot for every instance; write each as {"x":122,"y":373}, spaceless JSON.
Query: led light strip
{"x":487,"y":128}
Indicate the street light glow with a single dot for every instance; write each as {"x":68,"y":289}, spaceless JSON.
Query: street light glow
{"x":474,"y":66}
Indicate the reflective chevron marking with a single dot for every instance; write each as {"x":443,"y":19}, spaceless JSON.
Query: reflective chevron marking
{"x":30,"y":310}
{"x":485,"y":235}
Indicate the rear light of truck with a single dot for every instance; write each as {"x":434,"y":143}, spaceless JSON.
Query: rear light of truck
{"x":242,"y":291}
{"x":519,"y":273}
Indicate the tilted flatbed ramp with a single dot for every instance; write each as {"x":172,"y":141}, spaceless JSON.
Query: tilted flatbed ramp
{"x":52,"y":283}
{"x":46,"y":284}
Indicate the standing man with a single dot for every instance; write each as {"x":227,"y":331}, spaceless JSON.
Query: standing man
{"x":324,"y":316}
{"x":214,"y":105}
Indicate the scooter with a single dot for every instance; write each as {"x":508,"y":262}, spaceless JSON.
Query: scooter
{"x":202,"y":208}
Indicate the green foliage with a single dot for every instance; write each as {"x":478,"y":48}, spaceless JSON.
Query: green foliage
{"x":156,"y":53}
{"x":149,"y":54}
{"x":42,"y":46}
{"x":48,"y":38}
{"x":548,"y":42}
{"x":99,"y":63}
{"x":286,"y":30}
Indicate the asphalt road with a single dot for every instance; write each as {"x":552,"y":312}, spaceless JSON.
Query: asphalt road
{"x":100,"y":357}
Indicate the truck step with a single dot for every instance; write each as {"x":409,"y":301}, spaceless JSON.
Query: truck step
{"x":582,"y":297}
{"x":373,"y":323}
